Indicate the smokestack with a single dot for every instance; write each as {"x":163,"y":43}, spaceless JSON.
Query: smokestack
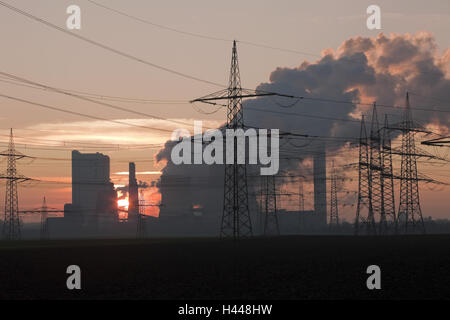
{"x":320,"y":186}
{"x":133,"y":195}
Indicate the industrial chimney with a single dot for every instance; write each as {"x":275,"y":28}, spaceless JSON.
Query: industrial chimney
{"x":133,"y":195}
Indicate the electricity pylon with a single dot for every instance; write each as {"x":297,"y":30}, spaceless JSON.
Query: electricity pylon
{"x":11,"y":221}
{"x":262,"y":188}
{"x":44,"y":223}
{"x":334,"y":213}
{"x":389,"y":223}
{"x":236,"y":221}
{"x":236,"y":214}
{"x":141,"y":230}
{"x":410,"y":218}
{"x":364,"y":221}
{"x":271,"y":226}
{"x":376,"y":169}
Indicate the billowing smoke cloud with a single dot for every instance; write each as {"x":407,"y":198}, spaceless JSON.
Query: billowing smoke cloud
{"x":378,"y":69}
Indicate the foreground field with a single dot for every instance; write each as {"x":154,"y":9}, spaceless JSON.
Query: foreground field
{"x":299,"y":267}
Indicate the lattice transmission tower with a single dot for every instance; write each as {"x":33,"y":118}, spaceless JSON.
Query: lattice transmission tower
{"x":11,"y":221}
{"x":376,"y":169}
{"x":141,"y":230}
{"x":334,"y":212}
{"x":261,"y":206}
{"x":389,"y":223}
{"x":236,"y":222}
{"x":236,"y":214}
{"x":410,"y":218}
{"x":364,"y":222}
{"x":271,"y":226}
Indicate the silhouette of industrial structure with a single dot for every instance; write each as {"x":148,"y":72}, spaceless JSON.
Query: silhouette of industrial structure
{"x":410,"y":218}
{"x":94,"y":207}
{"x":334,"y":210}
{"x":133,"y":194}
{"x":271,"y":227}
{"x":236,"y":221}
{"x":11,"y":229}
{"x":375,"y":213}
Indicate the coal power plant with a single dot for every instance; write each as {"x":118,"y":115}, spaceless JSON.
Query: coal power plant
{"x":235,"y":200}
{"x":189,"y":204}
{"x":225,"y":159}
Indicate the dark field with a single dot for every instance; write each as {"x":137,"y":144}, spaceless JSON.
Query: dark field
{"x":298,"y":267}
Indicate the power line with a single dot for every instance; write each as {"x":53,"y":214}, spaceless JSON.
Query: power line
{"x":102,"y":96}
{"x":279,"y":49}
{"x":202,"y":36}
{"x":81,"y":114}
{"x":324,"y":100}
{"x":180,"y":73}
{"x":360,"y":103}
{"x":119,"y":99}
{"x":159,"y":25}
{"x":59,"y":148}
{"x":69,"y":143}
{"x":105,"y":47}
{"x":89,"y":100}
{"x":208,"y":37}
{"x":302,"y":115}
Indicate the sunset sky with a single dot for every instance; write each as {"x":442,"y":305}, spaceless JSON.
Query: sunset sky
{"x":38,"y":53}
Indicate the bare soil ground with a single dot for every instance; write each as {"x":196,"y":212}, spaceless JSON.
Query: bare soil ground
{"x":297,"y":267}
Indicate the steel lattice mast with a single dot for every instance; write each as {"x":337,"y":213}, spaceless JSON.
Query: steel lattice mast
{"x":364,"y":222}
{"x":262,"y":189}
{"x":389,"y":224}
{"x":271,"y":226}
{"x":141,"y":230}
{"x":410,"y":218}
{"x":334,"y":213}
{"x":376,"y":169}
{"x":11,"y":222}
{"x":236,"y":221}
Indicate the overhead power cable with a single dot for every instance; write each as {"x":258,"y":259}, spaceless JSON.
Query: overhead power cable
{"x":17,"y":78}
{"x":223,"y":95}
{"x":101,"y":96}
{"x":80,"y":114}
{"x":84,"y":143}
{"x":192,"y":34}
{"x":105,"y":47}
{"x":360,"y":103}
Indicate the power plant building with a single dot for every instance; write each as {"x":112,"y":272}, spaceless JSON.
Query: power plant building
{"x":93,"y":193}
